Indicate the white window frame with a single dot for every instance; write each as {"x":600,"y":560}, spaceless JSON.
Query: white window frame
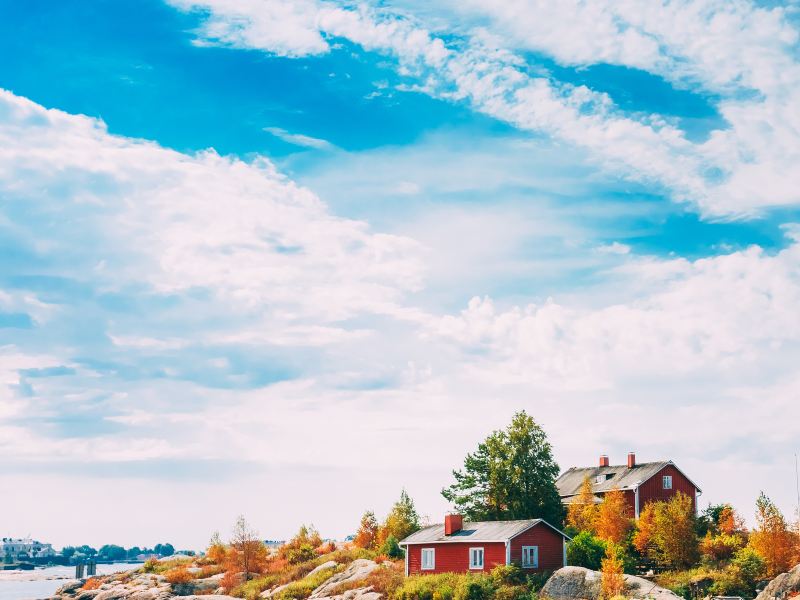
{"x":666,"y":482}
{"x":526,"y":552}
{"x":473,"y":552}
{"x":422,"y":563}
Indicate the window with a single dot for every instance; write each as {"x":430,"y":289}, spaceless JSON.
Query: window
{"x":476,"y":558}
{"x":530,"y":557}
{"x":667,"y":480}
{"x":428,"y":559}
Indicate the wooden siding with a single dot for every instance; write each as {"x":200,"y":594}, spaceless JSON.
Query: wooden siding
{"x":453,"y":557}
{"x":652,"y":490}
{"x":550,"y":543}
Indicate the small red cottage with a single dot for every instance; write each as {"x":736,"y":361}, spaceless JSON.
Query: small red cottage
{"x":639,"y":482}
{"x":460,"y":547}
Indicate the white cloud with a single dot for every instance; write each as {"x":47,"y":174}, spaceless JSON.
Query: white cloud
{"x":298,"y":139}
{"x":739,"y":170}
{"x":175,"y":223}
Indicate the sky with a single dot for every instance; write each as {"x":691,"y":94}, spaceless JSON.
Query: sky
{"x":284,"y":258}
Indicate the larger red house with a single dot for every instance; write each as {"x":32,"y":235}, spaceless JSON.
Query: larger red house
{"x":461,"y":547}
{"x":639,"y":482}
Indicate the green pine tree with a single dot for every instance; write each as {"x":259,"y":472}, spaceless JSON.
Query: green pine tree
{"x":510,"y":476}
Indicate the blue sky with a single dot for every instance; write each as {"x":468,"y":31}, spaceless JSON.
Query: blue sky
{"x":237,"y":235}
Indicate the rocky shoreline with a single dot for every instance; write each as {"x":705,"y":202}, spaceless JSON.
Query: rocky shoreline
{"x":568,"y":583}
{"x":148,"y":586}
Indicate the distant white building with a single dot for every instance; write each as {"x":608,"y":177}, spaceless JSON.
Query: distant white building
{"x":16,"y":547}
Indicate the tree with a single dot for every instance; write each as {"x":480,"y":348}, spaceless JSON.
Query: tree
{"x":249,"y":552}
{"x":612,"y":522}
{"x":113,"y":552}
{"x":216,"y":552}
{"x":86,"y":550}
{"x":585,"y":550}
{"x":133,"y":552}
{"x":582,"y":511}
{"x":68,"y":551}
{"x":367,"y":531}
{"x":164,"y":549}
{"x":667,"y":532}
{"x":772,"y":538}
{"x":302,"y":546}
{"x":612,"y":580}
{"x":511,"y":475}
{"x":392,"y":549}
{"x":401,"y":521}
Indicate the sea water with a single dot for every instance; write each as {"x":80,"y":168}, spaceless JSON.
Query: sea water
{"x":42,"y":583}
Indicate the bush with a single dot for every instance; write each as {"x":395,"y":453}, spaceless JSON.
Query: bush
{"x":586,"y":550}
{"x":301,"y":554}
{"x":179,"y":574}
{"x":251,"y":589}
{"x":428,"y":587}
{"x":474,"y":587}
{"x":93,"y":583}
{"x":507,"y":575}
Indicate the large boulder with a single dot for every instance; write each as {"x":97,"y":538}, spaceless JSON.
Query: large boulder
{"x":356,"y":571}
{"x":784,"y":585}
{"x":578,"y":583}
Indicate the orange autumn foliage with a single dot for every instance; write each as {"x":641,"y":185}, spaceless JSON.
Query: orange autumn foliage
{"x":93,"y":583}
{"x":612,"y":523}
{"x":367,"y":534}
{"x":179,"y":574}
{"x":772,"y":539}
{"x":612,"y":580}
{"x":582,"y":512}
{"x":729,"y":521}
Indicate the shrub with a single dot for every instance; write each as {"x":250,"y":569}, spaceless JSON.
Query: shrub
{"x":150,"y":565}
{"x":474,"y":587}
{"x":253,"y":588}
{"x":93,"y":583}
{"x":722,"y":546}
{"x":612,"y":582}
{"x":507,"y":575}
{"x":179,"y":574}
{"x":427,"y":587}
{"x":300,"y":554}
{"x":586,"y":550}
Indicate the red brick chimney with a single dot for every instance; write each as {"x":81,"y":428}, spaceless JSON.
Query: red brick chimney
{"x":631,"y":460}
{"x":603,"y":460}
{"x":453,"y":523}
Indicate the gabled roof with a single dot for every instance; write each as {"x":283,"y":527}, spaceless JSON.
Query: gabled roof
{"x":478,"y":531}
{"x":614,"y":477}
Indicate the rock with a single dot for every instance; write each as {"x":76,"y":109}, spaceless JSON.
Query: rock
{"x":331,"y":564}
{"x":571,"y":583}
{"x":356,"y":571}
{"x":365,"y":593}
{"x":69,"y":588}
{"x":784,"y":585}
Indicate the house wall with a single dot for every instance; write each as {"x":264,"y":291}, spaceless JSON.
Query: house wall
{"x":550,"y":543}
{"x":652,"y":490}
{"x":453,"y":557}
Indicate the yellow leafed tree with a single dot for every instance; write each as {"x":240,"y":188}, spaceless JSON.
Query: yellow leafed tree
{"x":612,"y":523}
{"x":582,"y":512}
{"x":612,"y":580}
{"x":772,"y":538}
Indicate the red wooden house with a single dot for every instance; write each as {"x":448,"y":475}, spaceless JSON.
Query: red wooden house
{"x":639,"y":482}
{"x":461,"y":547}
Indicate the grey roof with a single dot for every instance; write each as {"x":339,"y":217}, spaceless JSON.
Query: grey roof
{"x":615,"y":477}
{"x":478,"y":531}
